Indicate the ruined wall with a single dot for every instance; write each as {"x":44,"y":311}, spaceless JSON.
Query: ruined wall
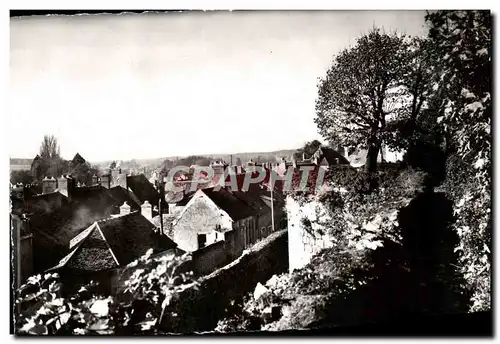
{"x":302,"y":243}
{"x":200,"y":308}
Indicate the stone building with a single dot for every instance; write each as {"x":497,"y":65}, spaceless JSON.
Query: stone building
{"x":211,"y":214}
{"x":108,"y":245}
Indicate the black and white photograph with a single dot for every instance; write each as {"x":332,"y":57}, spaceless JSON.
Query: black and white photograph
{"x":250,"y":172}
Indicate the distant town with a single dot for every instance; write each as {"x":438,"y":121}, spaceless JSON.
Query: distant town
{"x":60,"y":219}
{"x":383,"y":226}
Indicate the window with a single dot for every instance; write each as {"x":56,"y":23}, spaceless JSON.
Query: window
{"x":202,"y":240}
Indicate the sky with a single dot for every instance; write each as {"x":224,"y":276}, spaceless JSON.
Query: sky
{"x":135,"y":86}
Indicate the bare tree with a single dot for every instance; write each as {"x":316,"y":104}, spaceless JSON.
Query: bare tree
{"x":49,"y":149}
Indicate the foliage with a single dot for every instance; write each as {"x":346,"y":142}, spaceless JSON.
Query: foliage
{"x":296,"y":300}
{"x":21,"y":176}
{"x":187,"y":161}
{"x":150,"y":283}
{"x":360,"y":92}
{"x":83,"y":172}
{"x":463,"y":40}
{"x":308,"y":150}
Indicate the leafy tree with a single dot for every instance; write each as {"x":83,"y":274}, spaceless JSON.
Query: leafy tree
{"x":419,"y":82}
{"x":463,"y":42}
{"x":23,"y":177}
{"x":361,"y":91}
{"x":308,"y":150}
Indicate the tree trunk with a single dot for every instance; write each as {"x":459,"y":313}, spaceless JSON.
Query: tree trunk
{"x":371,"y":157}
{"x":371,"y":161}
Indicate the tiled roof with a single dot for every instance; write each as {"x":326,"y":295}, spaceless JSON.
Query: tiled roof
{"x":53,"y":231}
{"x":45,"y":203}
{"x":122,"y":195}
{"x":78,"y":159}
{"x":130,"y":236}
{"x":143,"y":189}
{"x":332,"y":157}
{"x":228,"y":202}
{"x":252,"y":199}
{"x":114,"y":242}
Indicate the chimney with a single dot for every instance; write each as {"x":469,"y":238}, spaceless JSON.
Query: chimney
{"x":125,"y":209}
{"x":114,"y":177}
{"x":48,"y":185}
{"x":65,"y":186}
{"x":121,"y":180}
{"x":303,"y":156}
{"x":282,"y":166}
{"x":95,"y":180}
{"x":106,"y":181}
{"x":147,"y":210}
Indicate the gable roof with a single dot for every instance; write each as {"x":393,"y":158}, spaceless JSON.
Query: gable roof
{"x":78,"y":159}
{"x":53,"y":231}
{"x":228,"y":202}
{"x":332,"y":156}
{"x":44,"y":203}
{"x":122,"y":195}
{"x":252,"y":198}
{"x":143,"y":189}
{"x":114,"y":242}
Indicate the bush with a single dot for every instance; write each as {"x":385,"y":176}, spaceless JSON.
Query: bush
{"x":149,"y":287}
{"x":472,"y":208}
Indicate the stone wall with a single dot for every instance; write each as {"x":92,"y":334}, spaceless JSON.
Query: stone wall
{"x":207,"y":259}
{"x":302,"y":243}
{"x":200,"y":308}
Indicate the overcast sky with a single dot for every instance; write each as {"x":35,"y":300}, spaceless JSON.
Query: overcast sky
{"x":147,"y":86}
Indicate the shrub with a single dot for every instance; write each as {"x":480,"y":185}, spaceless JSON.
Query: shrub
{"x":42,"y":308}
{"x":472,"y":208}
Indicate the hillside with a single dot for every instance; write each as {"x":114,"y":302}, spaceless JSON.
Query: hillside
{"x":244,"y":157}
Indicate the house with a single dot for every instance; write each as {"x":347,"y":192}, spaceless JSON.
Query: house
{"x":54,"y":218}
{"x":64,"y":208}
{"x":77,"y":160}
{"x":211,"y":215}
{"x":143,"y":189}
{"x":108,"y":245}
{"x":326,"y":156}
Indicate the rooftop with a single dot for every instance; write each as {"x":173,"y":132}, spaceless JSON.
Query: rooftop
{"x":114,"y":242}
